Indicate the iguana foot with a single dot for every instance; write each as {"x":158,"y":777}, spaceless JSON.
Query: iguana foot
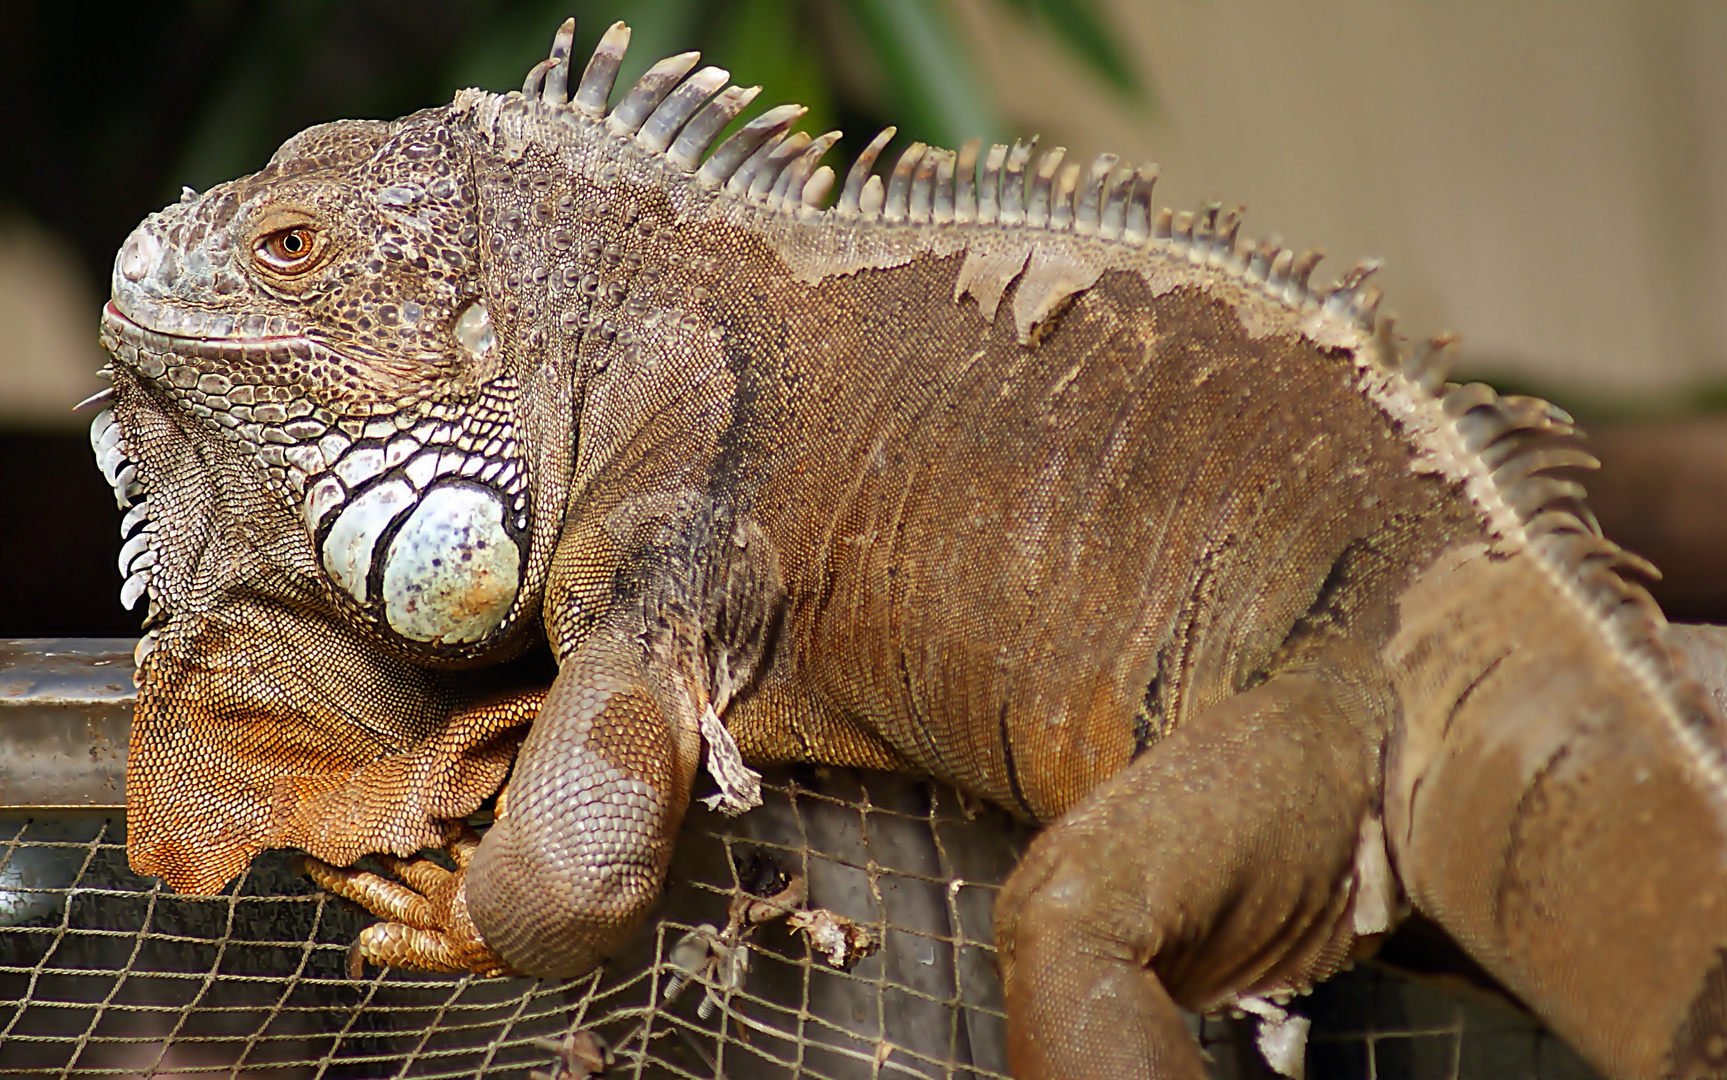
{"x":425,"y":910}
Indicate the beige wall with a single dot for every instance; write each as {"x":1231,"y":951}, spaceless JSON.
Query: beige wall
{"x":48,"y":350}
{"x":1549,"y":179}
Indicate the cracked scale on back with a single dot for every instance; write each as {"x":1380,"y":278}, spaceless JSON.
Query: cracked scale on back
{"x":990,"y":470}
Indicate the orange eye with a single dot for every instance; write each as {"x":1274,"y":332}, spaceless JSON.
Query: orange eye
{"x":287,"y":250}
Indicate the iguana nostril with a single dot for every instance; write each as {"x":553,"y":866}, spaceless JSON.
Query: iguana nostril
{"x":139,"y":255}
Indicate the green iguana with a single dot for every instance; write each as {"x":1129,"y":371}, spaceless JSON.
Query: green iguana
{"x":990,"y":471}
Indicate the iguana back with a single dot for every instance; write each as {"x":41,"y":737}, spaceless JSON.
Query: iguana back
{"x":988,"y":471}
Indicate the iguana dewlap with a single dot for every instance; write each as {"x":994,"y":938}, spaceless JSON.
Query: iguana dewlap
{"x":988,"y":471}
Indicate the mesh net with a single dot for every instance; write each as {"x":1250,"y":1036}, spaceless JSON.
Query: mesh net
{"x":104,"y":973}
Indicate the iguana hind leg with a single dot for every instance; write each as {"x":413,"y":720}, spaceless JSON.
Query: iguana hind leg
{"x":1220,"y":863}
{"x":1562,"y":822}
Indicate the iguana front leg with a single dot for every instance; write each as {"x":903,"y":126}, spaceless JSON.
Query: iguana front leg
{"x":598,"y":794}
{"x":577,"y":858}
{"x":603,"y":778}
{"x":1222,"y":863}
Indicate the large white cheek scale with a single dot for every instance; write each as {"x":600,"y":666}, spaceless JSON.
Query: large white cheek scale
{"x":349,"y":547}
{"x":452,"y":571}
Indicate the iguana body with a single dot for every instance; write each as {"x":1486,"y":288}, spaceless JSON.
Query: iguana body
{"x":1100,"y":514}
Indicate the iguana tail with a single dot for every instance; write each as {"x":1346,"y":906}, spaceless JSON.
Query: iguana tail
{"x":1557,"y":799}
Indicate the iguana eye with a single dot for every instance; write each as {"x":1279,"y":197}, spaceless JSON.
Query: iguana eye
{"x":288,"y":250}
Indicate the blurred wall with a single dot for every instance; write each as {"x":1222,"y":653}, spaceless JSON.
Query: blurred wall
{"x":48,"y":350}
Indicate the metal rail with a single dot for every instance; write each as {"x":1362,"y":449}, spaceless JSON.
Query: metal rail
{"x":65,"y":717}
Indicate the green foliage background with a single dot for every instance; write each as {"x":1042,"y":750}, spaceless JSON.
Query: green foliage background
{"x":913,"y":60}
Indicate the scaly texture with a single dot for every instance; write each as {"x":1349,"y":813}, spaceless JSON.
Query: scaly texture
{"x":988,"y":471}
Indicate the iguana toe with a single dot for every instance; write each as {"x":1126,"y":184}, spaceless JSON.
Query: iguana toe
{"x":426,"y":923}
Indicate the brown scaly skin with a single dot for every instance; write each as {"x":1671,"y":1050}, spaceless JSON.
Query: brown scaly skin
{"x":1102,"y":515}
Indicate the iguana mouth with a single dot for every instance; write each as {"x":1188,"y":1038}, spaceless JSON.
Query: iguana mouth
{"x":186,"y":350}
{"x":188,"y":330}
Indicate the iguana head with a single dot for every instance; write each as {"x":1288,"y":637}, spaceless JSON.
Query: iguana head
{"x":330,"y":462}
{"x":323,"y":328}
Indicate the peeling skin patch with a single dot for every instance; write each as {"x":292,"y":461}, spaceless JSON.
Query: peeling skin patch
{"x":453,"y":571}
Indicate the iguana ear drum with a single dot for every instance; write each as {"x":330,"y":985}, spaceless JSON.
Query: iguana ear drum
{"x":449,"y":573}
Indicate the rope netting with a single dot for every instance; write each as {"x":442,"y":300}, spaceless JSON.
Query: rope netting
{"x":104,"y":973}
